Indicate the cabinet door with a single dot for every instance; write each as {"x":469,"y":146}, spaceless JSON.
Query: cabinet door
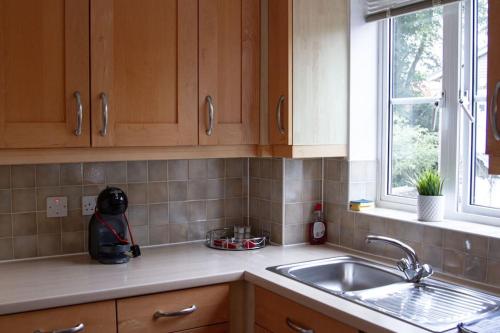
{"x":492,"y":145}
{"x":96,"y":318}
{"x":44,"y":47}
{"x":280,"y":71}
{"x":144,"y":69}
{"x":229,"y":72}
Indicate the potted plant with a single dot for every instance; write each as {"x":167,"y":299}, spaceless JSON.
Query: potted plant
{"x":430,"y":201}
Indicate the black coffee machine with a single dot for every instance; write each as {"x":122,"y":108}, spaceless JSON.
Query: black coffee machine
{"x":108,"y":228}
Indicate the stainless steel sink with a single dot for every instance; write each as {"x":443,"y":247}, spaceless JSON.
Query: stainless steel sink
{"x":341,"y":274}
{"x":431,"y":304}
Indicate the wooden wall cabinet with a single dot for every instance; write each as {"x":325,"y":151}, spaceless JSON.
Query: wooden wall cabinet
{"x":97,"y":317}
{"x":492,"y":139}
{"x":151,"y":63}
{"x":308,"y":77}
{"x":229,"y":93}
{"x":44,"y":65}
{"x":275,"y":314}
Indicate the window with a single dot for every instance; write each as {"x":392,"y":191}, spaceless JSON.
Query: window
{"x":433,"y":110}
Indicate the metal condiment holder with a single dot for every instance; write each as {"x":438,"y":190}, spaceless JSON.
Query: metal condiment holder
{"x":224,"y":239}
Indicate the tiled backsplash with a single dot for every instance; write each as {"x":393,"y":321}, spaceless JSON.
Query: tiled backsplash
{"x":169,"y":202}
{"x":179,"y":200}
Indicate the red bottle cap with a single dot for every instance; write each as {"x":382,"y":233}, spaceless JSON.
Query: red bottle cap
{"x":318,"y":206}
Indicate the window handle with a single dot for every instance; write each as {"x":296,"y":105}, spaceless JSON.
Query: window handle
{"x":493,"y":112}
{"x":435,"y":115}
{"x":464,"y":105}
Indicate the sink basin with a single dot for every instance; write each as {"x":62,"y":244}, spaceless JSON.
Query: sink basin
{"x":431,"y":304}
{"x":341,"y":274}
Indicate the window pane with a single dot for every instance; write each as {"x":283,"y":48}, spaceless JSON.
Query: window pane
{"x":415,"y":146}
{"x":417,"y":54}
{"x":486,"y":188}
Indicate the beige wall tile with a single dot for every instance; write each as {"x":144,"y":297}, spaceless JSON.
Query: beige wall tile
{"x":138,"y":215}
{"x":277,"y":164}
{"x":215,"y":189}
{"x":116,"y":172}
{"x":158,"y":192}
{"x":198,"y":188}
{"x":137,"y":194}
{"x":196,"y":231}
{"x":453,"y":262}
{"x":71,"y":174}
{"x":74,"y":194}
{"x":197,"y":211}
{"x":432,"y":236}
{"x":197,"y":169}
{"x":49,"y":244}
{"x":233,"y":207}
{"x":47,"y":225}
{"x":234,"y":168}
{"x":266,"y":168}
{"x":5,"y":225}
{"x":215,"y":209}
{"x":333,"y":233}
{"x":179,"y":212}
{"x":432,"y":255}
{"x":137,"y":171}
{"x":333,"y":169}
{"x":177,"y":190}
{"x":494,"y":248}
{"x":294,"y":214}
{"x":94,"y":173}
{"x":178,"y":233}
{"x":159,"y":234}
{"x":25,"y":247}
{"x":294,"y":169}
{"x":73,"y":222}
{"x":475,"y":268}
{"x":255,"y":167}
{"x":265,"y":190}
{"x":158,"y":214}
{"x":157,"y":171}
{"x":5,"y":201}
{"x":216,"y":168}
{"x":47,"y":175}
{"x":233,"y":187}
{"x":72,"y":242}
{"x":23,"y":200}
{"x":293,"y":191}
{"x":141,"y":234}
{"x":23,"y":176}
{"x":493,"y":275}
{"x":295,"y":234}
{"x":96,"y":189}
{"x":6,"y":249}
{"x":178,"y":170}
{"x":5,"y":176}
{"x":312,"y":169}
{"x":24,"y":224}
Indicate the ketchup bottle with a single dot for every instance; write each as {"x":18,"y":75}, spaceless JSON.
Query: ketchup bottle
{"x":317,"y":228}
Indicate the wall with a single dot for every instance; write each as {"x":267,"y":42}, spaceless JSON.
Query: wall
{"x":169,"y":202}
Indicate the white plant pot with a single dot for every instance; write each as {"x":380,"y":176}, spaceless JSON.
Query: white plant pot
{"x":430,"y":208}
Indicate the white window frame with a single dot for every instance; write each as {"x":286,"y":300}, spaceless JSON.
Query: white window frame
{"x":457,"y":204}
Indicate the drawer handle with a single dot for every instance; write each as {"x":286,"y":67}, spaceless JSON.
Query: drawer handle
{"x":79,"y":114}
{"x":183,"y":312}
{"x":297,"y":328}
{"x":281,"y":129}
{"x":78,"y":328}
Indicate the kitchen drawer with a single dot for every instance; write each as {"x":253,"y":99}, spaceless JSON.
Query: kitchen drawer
{"x":136,"y":314}
{"x":273,"y":312}
{"x":97,"y":317}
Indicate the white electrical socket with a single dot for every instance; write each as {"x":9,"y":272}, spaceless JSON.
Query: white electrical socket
{"x":57,"y":206}
{"x":88,"y":204}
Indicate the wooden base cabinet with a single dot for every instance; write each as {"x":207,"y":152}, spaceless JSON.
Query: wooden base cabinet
{"x":276,"y":314}
{"x":307,"y":77}
{"x":97,"y":317}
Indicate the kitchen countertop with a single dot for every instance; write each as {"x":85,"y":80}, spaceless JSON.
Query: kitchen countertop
{"x":44,"y":283}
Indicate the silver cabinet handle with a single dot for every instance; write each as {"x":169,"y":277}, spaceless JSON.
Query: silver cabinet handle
{"x":297,"y":328}
{"x":211,"y":112}
{"x":183,"y":312}
{"x":105,"y":115}
{"x":281,"y":129}
{"x":493,"y":113}
{"x":78,"y":328}
{"x":79,"y":113}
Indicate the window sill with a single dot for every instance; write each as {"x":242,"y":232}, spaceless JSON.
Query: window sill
{"x":473,"y":228}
